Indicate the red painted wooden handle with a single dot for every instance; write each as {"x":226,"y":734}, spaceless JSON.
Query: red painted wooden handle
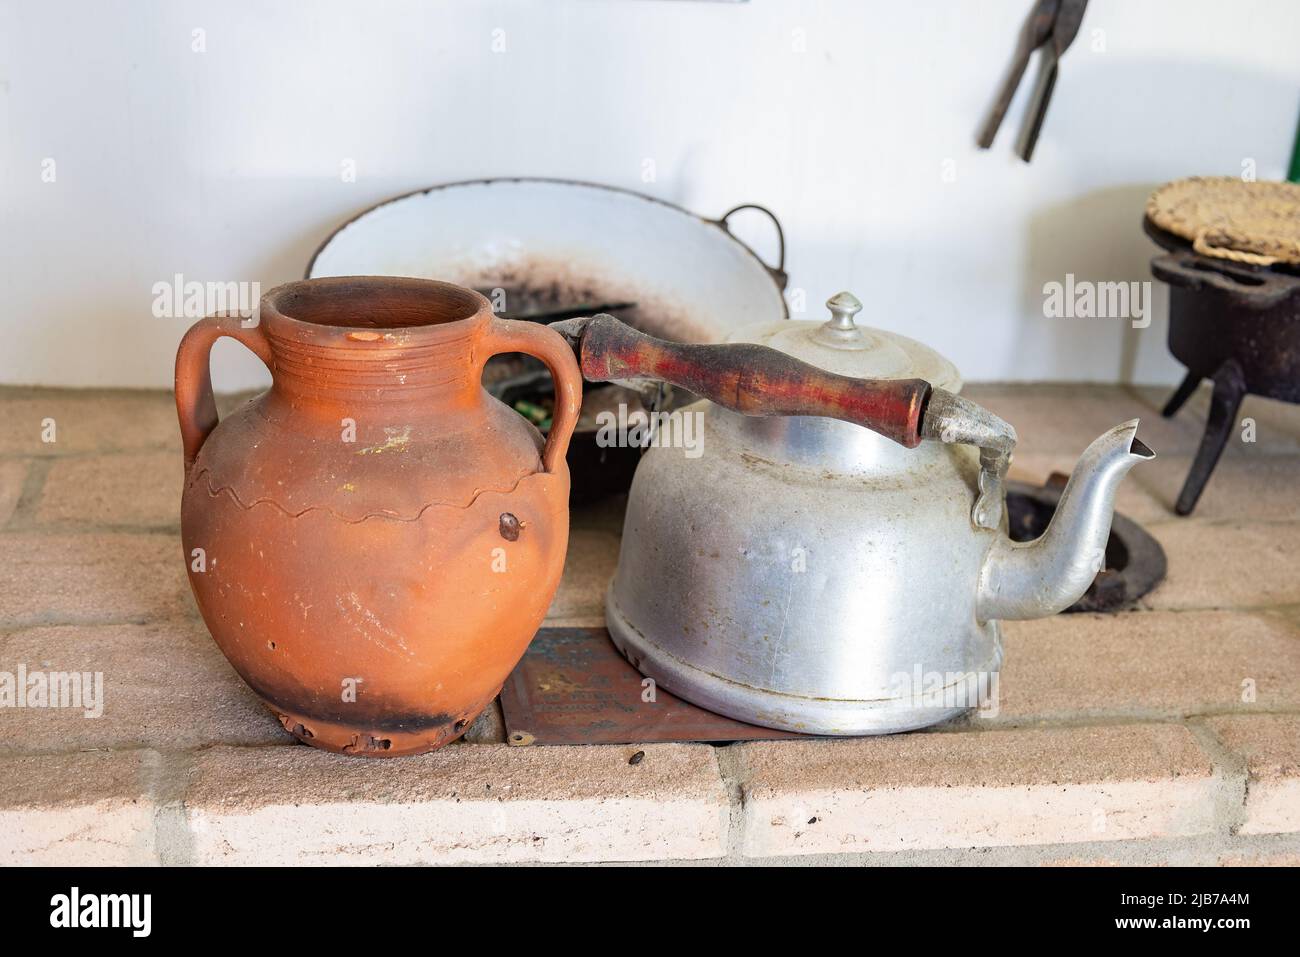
{"x":755,"y":380}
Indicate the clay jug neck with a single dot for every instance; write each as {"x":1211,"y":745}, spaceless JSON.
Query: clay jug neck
{"x":344,"y":343}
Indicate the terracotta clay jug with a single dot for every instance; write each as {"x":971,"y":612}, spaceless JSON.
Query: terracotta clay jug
{"x":374,"y":541}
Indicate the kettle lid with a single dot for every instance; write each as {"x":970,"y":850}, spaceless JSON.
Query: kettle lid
{"x":842,"y":346}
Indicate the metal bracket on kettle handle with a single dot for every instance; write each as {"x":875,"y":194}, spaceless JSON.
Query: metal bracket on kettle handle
{"x":652,"y":391}
{"x":953,"y":420}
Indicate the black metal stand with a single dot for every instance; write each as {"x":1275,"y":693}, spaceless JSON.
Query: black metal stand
{"x":1181,"y":395}
{"x":1229,"y":390}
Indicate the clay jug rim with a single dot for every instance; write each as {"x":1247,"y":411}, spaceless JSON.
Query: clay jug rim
{"x":357,"y":309}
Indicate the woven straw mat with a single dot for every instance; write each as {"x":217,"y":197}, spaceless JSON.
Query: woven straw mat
{"x":1228,"y":218}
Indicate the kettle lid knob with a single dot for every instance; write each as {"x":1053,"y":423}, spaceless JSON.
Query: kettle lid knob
{"x":843,"y":306}
{"x":840,"y":329}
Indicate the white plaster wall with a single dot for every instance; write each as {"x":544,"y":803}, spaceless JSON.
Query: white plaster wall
{"x":225,"y":164}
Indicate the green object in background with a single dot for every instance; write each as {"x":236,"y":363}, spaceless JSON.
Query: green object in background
{"x":1294,"y":173}
{"x":533,"y":412}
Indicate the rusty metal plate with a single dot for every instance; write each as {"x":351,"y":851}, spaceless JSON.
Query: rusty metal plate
{"x":573,"y":687}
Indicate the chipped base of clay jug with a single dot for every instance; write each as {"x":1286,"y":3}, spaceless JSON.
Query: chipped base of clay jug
{"x":377,"y":742}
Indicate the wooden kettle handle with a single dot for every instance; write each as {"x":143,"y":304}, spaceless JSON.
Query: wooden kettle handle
{"x":754,"y":380}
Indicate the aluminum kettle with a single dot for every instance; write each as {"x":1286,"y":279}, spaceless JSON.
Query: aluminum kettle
{"x":836,"y":560}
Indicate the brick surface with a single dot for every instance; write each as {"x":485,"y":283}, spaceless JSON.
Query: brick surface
{"x":1213,"y":565}
{"x":1148,"y":664}
{"x":89,"y":809}
{"x":588,"y":568}
{"x":1261,"y":857}
{"x":165,"y":686}
{"x":1245,"y":487}
{"x":1270,"y":746}
{"x":134,"y":488}
{"x":117,"y":601}
{"x":1064,"y":418}
{"x":489,"y":727}
{"x":91,"y":420}
{"x":467,"y":804}
{"x":65,"y":578}
{"x":1021,"y":787}
{"x":13,"y":475}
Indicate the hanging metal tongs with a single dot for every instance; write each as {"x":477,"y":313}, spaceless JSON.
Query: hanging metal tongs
{"x":1051,"y":26}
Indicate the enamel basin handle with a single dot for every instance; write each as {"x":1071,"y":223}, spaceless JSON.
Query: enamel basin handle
{"x":748,"y":378}
{"x":777,"y":272}
{"x":953,"y":420}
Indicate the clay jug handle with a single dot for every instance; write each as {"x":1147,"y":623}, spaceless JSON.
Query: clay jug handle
{"x":513,"y":335}
{"x":195,"y":405}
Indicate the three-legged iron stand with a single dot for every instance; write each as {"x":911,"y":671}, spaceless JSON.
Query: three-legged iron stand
{"x":1229,"y":390}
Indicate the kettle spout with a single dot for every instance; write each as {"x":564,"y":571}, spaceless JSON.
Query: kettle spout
{"x":1040,"y":578}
